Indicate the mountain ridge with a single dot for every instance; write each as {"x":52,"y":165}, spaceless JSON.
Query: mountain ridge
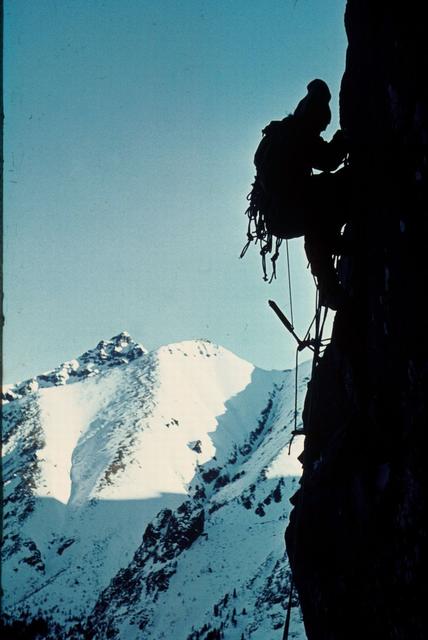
{"x":120,"y":349}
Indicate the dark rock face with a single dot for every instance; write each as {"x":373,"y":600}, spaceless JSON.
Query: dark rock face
{"x":356,"y":538}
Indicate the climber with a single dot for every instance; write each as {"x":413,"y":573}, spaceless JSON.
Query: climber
{"x":288,"y":200}
{"x":323,"y":194}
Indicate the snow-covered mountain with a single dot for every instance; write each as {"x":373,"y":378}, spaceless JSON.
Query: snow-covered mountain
{"x":146,"y":494}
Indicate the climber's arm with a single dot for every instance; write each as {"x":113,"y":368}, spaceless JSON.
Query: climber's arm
{"x":327,"y":156}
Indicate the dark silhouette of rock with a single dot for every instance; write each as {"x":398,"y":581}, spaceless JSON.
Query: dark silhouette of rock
{"x":357,"y":538}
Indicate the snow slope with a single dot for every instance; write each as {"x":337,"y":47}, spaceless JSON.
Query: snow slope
{"x":151,"y":496}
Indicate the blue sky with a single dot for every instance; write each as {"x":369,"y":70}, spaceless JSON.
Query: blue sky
{"x":130,"y":128}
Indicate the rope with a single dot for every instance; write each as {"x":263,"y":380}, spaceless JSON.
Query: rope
{"x":296,"y":379}
{"x":316,"y":345}
{"x":289,"y":283}
{"x":288,"y":616}
{"x":319,"y":328}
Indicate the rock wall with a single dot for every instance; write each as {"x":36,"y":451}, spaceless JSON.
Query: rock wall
{"x":356,"y":538}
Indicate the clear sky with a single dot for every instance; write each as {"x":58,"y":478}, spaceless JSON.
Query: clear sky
{"x":130,"y":130}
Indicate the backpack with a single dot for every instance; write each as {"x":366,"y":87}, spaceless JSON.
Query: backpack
{"x":266,"y":221}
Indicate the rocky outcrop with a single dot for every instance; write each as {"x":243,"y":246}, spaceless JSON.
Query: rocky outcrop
{"x":121,"y":349}
{"x":150,"y":571}
{"x":356,"y":538}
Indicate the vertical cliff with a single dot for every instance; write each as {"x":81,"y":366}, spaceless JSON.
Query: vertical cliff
{"x":356,"y":538}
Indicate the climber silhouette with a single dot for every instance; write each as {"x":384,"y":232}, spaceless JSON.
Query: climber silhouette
{"x":289,"y":200}
{"x":323,"y":194}
{"x":317,"y":198}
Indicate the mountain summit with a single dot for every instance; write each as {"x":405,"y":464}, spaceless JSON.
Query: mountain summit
{"x":149,"y":498}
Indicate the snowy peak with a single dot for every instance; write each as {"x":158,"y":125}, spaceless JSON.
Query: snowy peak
{"x":194,"y":349}
{"x":120,"y":349}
